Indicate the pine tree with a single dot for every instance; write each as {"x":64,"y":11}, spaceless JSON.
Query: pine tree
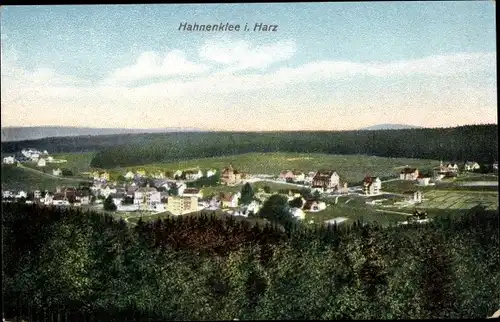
{"x":247,"y":194}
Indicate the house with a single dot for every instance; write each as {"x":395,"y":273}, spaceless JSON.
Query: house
{"x":182,"y":205}
{"x":423,"y":180}
{"x":314,"y":205}
{"x":69,"y":193}
{"x":326,"y":180}
{"x":9,"y":160}
{"x":45,"y":152}
{"x":129,"y":175}
{"x":192,"y":192}
{"x":41,"y":163}
{"x":83,"y":197}
{"x":7,"y":194}
{"x":50,"y":159}
{"x":56,"y":172}
{"x":471,"y":166}
{"x":286,"y":175}
{"x":230,"y":200}
{"x":37,"y":194}
{"x":211,"y":173}
{"x":34,"y":157}
{"x":230,"y":176}
{"x":141,"y":173}
{"x":159,"y":175}
{"x":408,"y":174}
{"x":414,"y":196}
{"x":177,"y":174}
{"x":372,"y":185}
{"x":193,"y":174}
{"x":495,"y":165}
{"x":298,"y":213}
{"x":309,"y":178}
{"x":142,"y":196}
{"x":299,"y":176}
{"x":452,"y":167}
{"x":21,"y":194}
{"x":107,"y":190}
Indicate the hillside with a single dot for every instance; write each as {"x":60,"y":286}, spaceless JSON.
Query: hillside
{"x":40,"y":132}
{"x":137,"y":149}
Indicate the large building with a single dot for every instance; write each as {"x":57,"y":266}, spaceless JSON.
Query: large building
{"x":326,"y":180}
{"x":230,"y":176}
{"x":182,"y":205}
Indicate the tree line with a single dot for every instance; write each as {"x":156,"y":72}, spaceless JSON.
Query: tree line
{"x":471,"y":142}
{"x":73,"y":265}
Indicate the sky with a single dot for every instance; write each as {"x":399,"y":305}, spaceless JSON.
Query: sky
{"x":328,"y":66}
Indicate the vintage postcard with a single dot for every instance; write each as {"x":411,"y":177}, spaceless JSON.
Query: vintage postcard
{"x":330,"y":160}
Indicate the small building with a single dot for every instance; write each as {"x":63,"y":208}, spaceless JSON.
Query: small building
{"x":471,"y":166}
{"x":56,"y":172}
{"x":314,"y":205}
{"x":230,"y":176}
{"x":9,"y":160}
{"x":230,"y":200}
{"x":129,"y":175}
{"x":211,"y":173}
{"x":193,"y":174}
{"x":495,"y":165}
{"x":409,"y":174}
{"x":423,"y":180}
{"x":177,"y":174}
{"x":299,"y":176}
{"x":41,"y":163}
{"x":372,"y":185}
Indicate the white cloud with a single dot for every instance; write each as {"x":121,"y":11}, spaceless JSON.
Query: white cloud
{"x":151,"y":64}
{"x":241,"y":55}
{"x":45,"y":92}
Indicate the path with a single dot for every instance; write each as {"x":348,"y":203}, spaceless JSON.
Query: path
{"x":20,"y":165}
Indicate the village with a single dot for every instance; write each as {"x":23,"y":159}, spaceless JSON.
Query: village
{"x":178,"y":193}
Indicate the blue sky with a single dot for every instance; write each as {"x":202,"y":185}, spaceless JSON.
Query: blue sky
{"x":343,"y":65}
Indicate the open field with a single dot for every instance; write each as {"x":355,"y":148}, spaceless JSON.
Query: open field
{"x":24,"y":179}
{"x":355,"y":209}
{"x":76,"y":162}
{"x":352,"y":168}
{"x":471,"y":176}
{"x":459,"y":200}
{"x":400,"y":186}
{"x":274,"y":186}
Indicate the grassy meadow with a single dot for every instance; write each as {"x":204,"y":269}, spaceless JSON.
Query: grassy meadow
{"x":351,"y":168}
{"x":22,"y":179}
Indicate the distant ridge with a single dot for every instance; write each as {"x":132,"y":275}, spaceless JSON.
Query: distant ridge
{"x":390,"y":127}
{"x":40,"y":132}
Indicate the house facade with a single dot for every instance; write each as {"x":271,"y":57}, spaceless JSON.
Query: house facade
{"x":129,"y":175}
{"x":182,"y":205}
{"x":211,"y":173}
{"x":56,"y":172}
{"x":327,"y":180}
{"x":314,"y":206}
{"x":471,"y":166}
{"x":299,"y":176}
{"x":230,"y":200}
{"x":409,"y":174}
{"x":193,"y":174}
{"x":9,"y":160}
{"x":230,"y":176}
{"x":41,"y":163}
{"x":372,"y":185}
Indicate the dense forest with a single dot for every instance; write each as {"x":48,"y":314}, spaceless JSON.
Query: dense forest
{"x":69,"y":265}
{"x":474,"y":142}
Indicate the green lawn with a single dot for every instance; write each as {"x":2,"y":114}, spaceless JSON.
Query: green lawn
{"x":352,"y":168}
{"x":471,"y":176}
{"x":22,"y":179}
{"x":76,"y":162}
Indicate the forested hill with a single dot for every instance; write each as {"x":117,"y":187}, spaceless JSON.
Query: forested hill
{"x":474,"y":142}
{"x":479,"y":143}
